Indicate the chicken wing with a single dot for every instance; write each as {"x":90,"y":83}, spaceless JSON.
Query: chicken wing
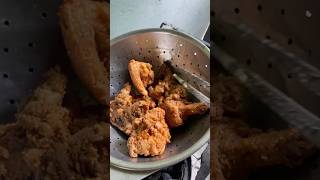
{"x":239,"y":150}
{"x":152,"y":135}
{"x":141,"y":75}
{"x":177,"y":112}
{"x":125,"y":110}
{"x":85,"y":28}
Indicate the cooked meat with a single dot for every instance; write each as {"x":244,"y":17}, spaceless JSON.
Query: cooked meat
{"x":40,"y":145}
{"x":237,"y":149}
{"x":141,"y":75}
{"x":151,"y":136}
{"x":85,"y":27}
{"x":240,"y":150}
{"x":146,"y":118}
{"x":177,"y":112}
{"x":124,"y":110}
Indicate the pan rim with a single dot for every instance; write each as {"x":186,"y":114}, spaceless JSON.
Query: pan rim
{"x":145,"y":166}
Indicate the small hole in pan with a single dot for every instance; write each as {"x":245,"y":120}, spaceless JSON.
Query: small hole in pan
{"x":149,"y":51}
{"x":6,"y":50}
{"x":164,"y":52}
{"x":172,"y":49}
{"x":289,"y":76}
{"x":223,"y":38}
{"x":270,"y":65}
{"x":259,"y":7}
{"x":44,"y":15}
{"x":248,"y":62}
{"x":268,"y":37}
{"x":11,"y":101}
{"x":237,"y":10}
{"x":290,"y":41}
{"x":30,"y":44}
{"x":158,"y":56}
{"x":212,"y":13}
{"x":282,"y":11}
{"x":5,"y":75}
{"x":178,"y":55}
{"x":6,"y":22}
{"x":31,"y":69}
{"x":309,"y":52}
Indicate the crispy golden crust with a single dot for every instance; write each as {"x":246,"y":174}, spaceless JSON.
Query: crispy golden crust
{"x":85,"y":27}
{"x":151,"y":136}
{"x":43,"y":143}
{"x":141,"y":75}
{"x":177,"y":112}
{"x":237,"y":150}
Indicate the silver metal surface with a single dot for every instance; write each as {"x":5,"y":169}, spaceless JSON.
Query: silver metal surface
{"x":277,"y":42}
{"x":155,"y":46}
{"x":192,"y":90}
{"x":191,"y":16}
{"x":30,"y":43}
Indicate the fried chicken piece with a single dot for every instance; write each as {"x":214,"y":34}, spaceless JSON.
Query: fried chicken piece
{"x":177,"y":112}
{"x":141,"y":75}
{"x":239,"y":150}
{"x":124,"y":110}
{"x":152,"y":135}
{"x":167,"y":87}
{"x":40,"y":144}
{"x":85,"y":28}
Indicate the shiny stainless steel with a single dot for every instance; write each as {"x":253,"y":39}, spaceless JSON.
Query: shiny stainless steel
{"x":277,"y":42}
{"x":156,"y":46}
{"x":30,"y":43}
{"x":193,"y":91}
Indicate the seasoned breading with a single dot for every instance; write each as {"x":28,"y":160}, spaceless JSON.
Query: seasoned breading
{"x":141,"y":75}
{"x":85,"y":27}
{"x":41,"y":145}
{"x":177,"y":112}
{"x":238,"y":150}
{"x":151,"y":136}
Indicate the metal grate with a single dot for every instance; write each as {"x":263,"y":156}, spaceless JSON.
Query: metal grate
{"x":276,"y":40}
{"x":30,"y":42}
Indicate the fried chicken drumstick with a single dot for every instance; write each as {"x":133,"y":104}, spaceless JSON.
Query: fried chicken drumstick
{"x":40,"y":144}
{"x":237,"y":149}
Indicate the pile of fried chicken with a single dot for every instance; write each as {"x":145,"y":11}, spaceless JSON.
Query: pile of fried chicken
{"x":237,"y":149}
{"x":161,"y":103}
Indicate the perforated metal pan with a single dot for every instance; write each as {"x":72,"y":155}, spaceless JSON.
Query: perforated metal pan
{"x":155,"y":46}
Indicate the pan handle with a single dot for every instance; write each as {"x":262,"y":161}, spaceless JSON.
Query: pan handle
{"x":165,"y":25}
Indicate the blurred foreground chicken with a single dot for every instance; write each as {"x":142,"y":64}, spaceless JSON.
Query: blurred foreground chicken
{"x":41,"y":145}
{"x":237,"y":150}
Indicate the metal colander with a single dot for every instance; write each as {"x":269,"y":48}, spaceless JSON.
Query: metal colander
{"x":272,"y":48}
{"x":30,"y":43}
{"x":155,"y":46}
